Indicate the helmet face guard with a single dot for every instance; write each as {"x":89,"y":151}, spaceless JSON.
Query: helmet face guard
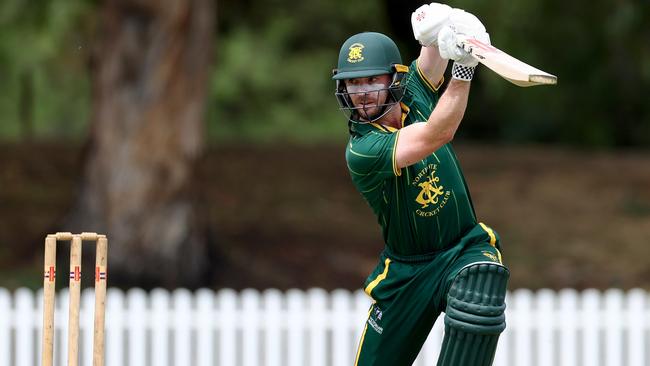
{"x":360,"y":113}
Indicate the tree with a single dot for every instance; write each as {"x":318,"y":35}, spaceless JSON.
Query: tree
{"x":149,"y":71}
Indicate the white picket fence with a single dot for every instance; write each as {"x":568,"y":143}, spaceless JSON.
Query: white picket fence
{"x":317,"y":328}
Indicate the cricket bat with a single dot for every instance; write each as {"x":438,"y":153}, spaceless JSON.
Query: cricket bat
{"x":508,"y":67}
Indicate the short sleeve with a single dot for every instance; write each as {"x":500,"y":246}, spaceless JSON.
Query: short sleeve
{"x":371,"y":158}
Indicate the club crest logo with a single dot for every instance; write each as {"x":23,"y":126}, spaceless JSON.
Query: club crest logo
{"x":356,"y":53}
{"x":431,"y":191}
{"x":432,"y":196}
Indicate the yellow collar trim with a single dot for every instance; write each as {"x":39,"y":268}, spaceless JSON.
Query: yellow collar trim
{"x":384,"y":128}
{"x":405,"y":112}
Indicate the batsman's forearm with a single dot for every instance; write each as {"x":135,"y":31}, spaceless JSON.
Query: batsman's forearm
{"x":431,"y":64}
{"x":446,"y":116}
{"x":419,"y":140}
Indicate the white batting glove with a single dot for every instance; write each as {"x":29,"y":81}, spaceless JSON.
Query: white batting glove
{"x":461,"y":23}
{"x":449,"y":49}
{"x":427,"y":21}
{"x":468,"y":24}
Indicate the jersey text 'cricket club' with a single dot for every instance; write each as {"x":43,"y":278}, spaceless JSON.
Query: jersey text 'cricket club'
{"x":438,"y":208}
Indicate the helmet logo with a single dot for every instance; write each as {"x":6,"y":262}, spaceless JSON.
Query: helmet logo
{"x":355,"y":54}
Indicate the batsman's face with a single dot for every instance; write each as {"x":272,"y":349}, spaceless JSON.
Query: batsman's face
{"x":368,"y":94}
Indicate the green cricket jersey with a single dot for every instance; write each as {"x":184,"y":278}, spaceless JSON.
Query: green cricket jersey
{"x":421,"y":208}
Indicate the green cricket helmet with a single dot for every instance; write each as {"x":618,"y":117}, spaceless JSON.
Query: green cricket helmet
{"x":364,"y":55}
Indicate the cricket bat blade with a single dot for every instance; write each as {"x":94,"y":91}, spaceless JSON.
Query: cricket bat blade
{"x":508,"y":67}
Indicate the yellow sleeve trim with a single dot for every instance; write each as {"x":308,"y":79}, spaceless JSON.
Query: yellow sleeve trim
{"x":493,"y":238}
{"x":432,"y":86}
{"x":396,"y":170}
{"x":371,"y":286}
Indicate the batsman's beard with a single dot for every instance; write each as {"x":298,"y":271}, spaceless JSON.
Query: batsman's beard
{"x":368,"y":117}
{"x":368,"y":109}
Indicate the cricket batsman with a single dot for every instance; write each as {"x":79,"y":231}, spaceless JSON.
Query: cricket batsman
{"x":437,"y":256}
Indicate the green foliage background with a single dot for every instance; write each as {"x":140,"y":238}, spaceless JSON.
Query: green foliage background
{"x":43,"y":68}
{"x":271,"y":75}
{"x":601,"y":54}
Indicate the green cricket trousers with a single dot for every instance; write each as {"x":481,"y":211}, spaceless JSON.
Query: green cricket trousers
{"x":409,"y":293}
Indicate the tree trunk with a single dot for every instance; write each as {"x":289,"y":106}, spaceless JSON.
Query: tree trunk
{"x":150,"y":70}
